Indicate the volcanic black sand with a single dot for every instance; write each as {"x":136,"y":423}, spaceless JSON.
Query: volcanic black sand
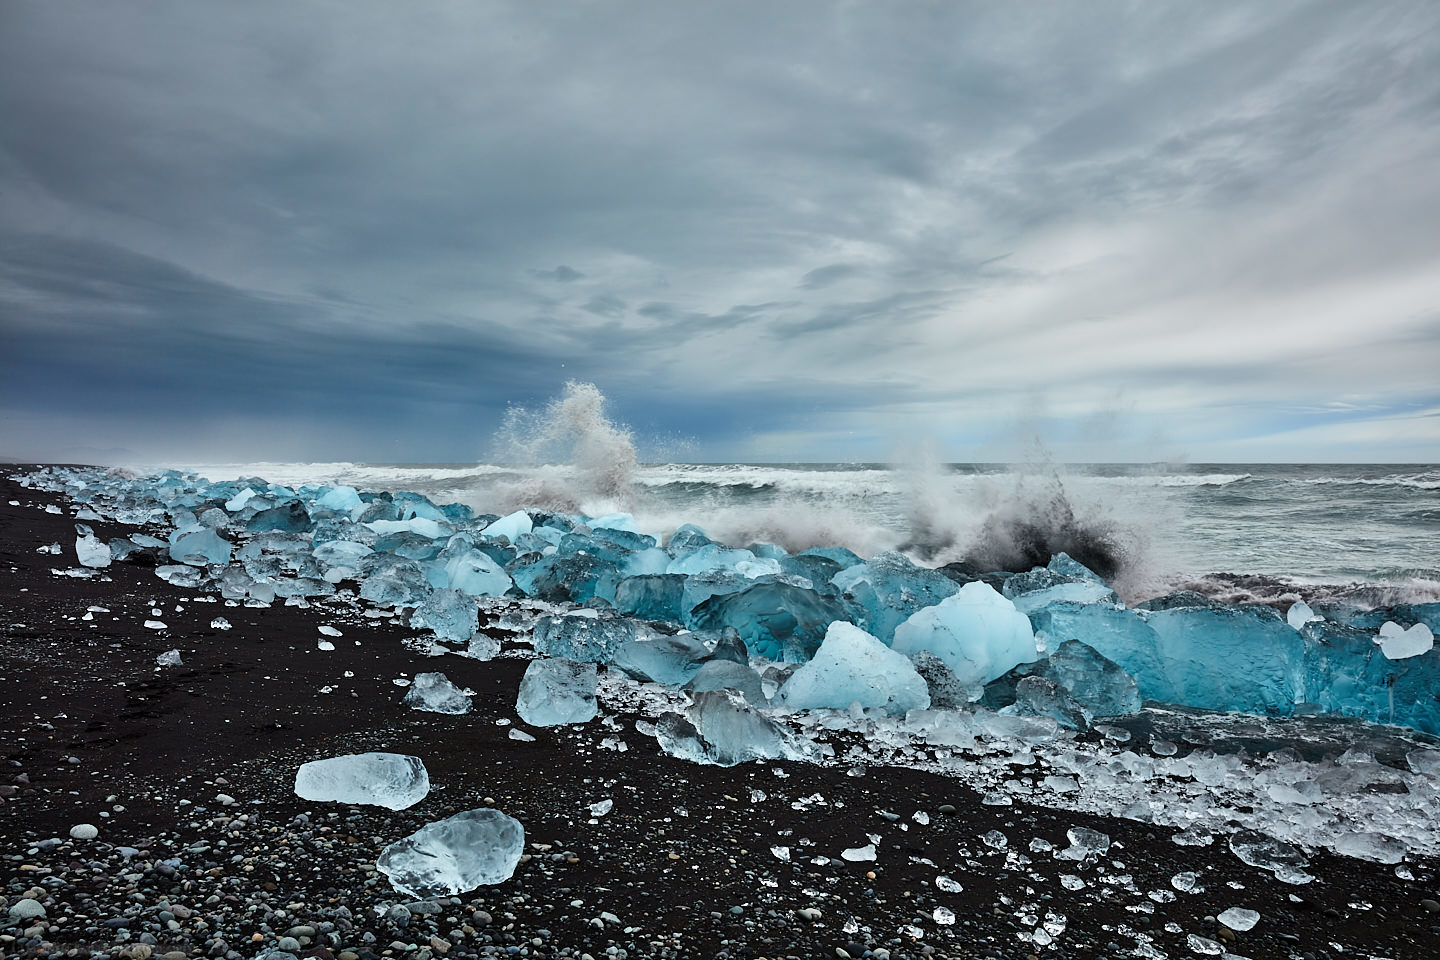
{"x":204,"y":850}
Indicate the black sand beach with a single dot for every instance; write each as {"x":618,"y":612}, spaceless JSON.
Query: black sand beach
{"x":204,"y":850}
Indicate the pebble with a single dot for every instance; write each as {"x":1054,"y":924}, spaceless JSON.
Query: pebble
{"x":27,"y":908}
{"x":84,"y":831}
{"x":1430,"y":906}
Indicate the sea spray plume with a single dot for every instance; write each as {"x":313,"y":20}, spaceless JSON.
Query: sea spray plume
{"x":573,"y":430}
{"x":1038,"y":522}
{"x":929,"y":499}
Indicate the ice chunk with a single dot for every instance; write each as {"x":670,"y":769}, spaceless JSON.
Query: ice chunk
{"x":470,"y":570}
{"x":393,"y":581}
{"x":1084,"y":843}
{"x":237,"y":503}
{"x":721,"y":728}
{"x":510,"y":527}
{"x":452,"y":615}
{"x":1238,"y":918}
{"x":170,"y":658}
{"x":1043,"y":697}
{"x":1368,"y":845}
{"x":580,"y":635}
{"x":290,"y":517}
{"x":1300,"y":614}
{"x":390,"y":780}
{"x":1098,"y":686}
{"x":668,"y":660}
{"x":434,"y":693}
{"x":455,"y":855}
{"x":1398,"y":643}
{"x":1346,"y":672}
{"x":858,"y":854}
{"x":888,"y":589}
{"x":568,"y":578}
{"x":728,"y":675}
{"x":557,"y":691}
{"x":1114,"y":632}
{"x":851,"y":666}
{"x":340,"y":499}
{"x":90,"y":550}
{"x":778,"y":620}
{"x":651,"y":596}
{"x":202,"y":545}
{"x":978,"y":633}
{"x":1267,"y":853}
{"x":711,"y":556}
{"x":1241,"y":657}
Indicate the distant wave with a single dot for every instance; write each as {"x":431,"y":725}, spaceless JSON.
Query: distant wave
{"x":1420,"y":481}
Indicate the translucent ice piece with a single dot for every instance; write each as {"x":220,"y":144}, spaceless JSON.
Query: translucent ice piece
{"x":1398,"y":643}
{"x":1230,"y":657}
{"x":978,"y":633}
{"x":721,"y":728}
{"x":1300,"y":614}
{"x":557,"y":691}
{"x":452,"y":615}
{"x":581,"y":635}
{"x":205,"y":545}
{"x":888,"y":589}
{"x":567,"y":578}
{"x":389,"y":780}
{"x":651,"y":596}
{"x":728,"y":675}
{"x":455,"y":855}
{"x":851,"y":666}
{"x":89,"y":550}
{"x":668,"y":660}
{"x":777,"y":620}
{"x":510,"y":527}
{"x":434,"y":693}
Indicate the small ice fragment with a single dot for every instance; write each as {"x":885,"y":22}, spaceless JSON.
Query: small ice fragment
{"x":155,"y":625}
{"x":434,"y":693}
{"x":859,"y":854}
{"x":996,"y":839}
{"x":170,"y":658}
{"x":1239,"y":919}
{"x":1398,"y":643}
{"x":944,"y":916}
{"x":219,"y":623}
{"x":389,"y":780}
{"x":1300,"y":614}
{"x":781,"y":853}
{"x":330,"y":631}
{"x":601,"y":808}
{"x":947,"y":885}
{"x":455,"y":855}
{"x":522,"y":736}
{"x":1186,"y":882}
{"x":1084,"y":843}
{"x":324,"y":645}
{"x":90,"y":551}
{"x":1203,"y":946}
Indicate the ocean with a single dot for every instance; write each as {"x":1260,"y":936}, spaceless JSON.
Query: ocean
{"x":1268,"y":532}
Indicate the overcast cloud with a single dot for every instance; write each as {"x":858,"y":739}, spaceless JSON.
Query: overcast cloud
{"x":772,"y":231}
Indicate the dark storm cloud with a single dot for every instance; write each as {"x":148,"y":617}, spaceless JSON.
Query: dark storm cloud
{"x":831,"y":218}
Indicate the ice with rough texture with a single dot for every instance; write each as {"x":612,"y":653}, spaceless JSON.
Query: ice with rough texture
{"x":557,"y":691}
{"x":655,"y":596}
{"x":946,"y":690}
{"x":721,"y":728}
{"x":199,"y":545}
{"x":1284,"y":861}
{"x":471,"y":849}
{"x":568,"y":578}
{"x":1043,"y":697}
{"x":977,"y":632}
{"x":888,"y":589}
{"x":510,"y":527}
{"x":1084,"y":843}
{"x":90,"y":550}
{"x":434,"y":693}
{"x":729,"y":675}
{"x":1114,"y":632}
{"x":1242,"y":657}
{"x":582,"y":635}
{"x":1098,"y":685}
{"x":452,"y":615}
{"x":852,"y":666}
{"x":390,"y":780}
{"x":1238,"y":918}
{"x":668,"y":660}
{"x":472,"y":571}
{"x":776,"y":619}
{"x":1398,"y":643}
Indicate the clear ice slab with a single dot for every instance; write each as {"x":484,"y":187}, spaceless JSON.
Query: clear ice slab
{"x":434,"y":693}
{"x":471,"y":849}
{"x":671,"y":661}
{"x":557,"y":691}
{"x":851,"y":666}
{"x":390,"y":780}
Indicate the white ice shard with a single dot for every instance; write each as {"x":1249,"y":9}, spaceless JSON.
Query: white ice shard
{"x":978,"y":633}
{"x":851,"y":666}
{"x":89,"y":550}
{"x":435,"y":693}
{"x":1239,"y":919}
{"x":510,"y":527}
{"x":455,"y":855}
{"x":557,"y":691}
{"x":170,"y":658}
{"x":390,"y":780}
{"x":1398,"y":643}
{"x":1300,"y":614}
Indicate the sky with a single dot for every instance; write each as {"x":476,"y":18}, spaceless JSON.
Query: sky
{"x":803,"y":231}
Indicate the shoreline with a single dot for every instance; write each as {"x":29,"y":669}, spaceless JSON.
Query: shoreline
{"x":245,"y":708}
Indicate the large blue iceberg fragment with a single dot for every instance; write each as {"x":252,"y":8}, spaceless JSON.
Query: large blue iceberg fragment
{"x":1116,"y":633}
{"x":887,"y":589}
{"x":568,"y":578}
{"x":584,"y":635}
{"x":557,"y":691}
{"x":721,"y":728}
{"x":199,"y":547}
{"x":728,"y":675}
{"x":465,"y":567}
{"x":390,"y":780}
{"x":1347,"y":672}
{"x":289,"y":517}
{"x":1062,"y":580}
{"x":978,"y":633}
{"x":1097,"y":685}
{"x":1228,"y":657}
{"x":668,"y":660}
{"x":777,"y":620}
{"x":452,"y":615}
{"x":651,"y":597}
{"x":510,"y":527}
{"x":851,"y":666}
{"x":454,"y":855}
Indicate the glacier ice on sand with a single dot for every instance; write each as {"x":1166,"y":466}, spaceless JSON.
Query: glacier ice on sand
{"x":471,"y":849}
{"x":557,"y":691}
{"x":852,"y":666}
{"x":977,"y":632}
{"x":434,"y":693}
{"x":391,"y":780}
